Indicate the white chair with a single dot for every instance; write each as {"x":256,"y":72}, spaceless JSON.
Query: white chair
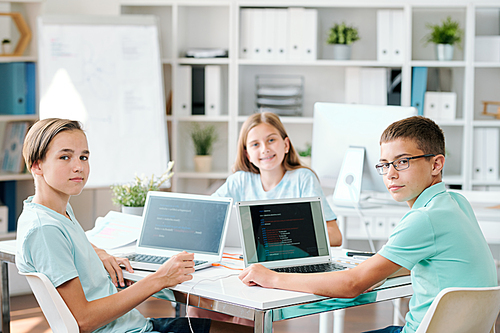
{"x":53,"y":307}
{"x":463,"y":310}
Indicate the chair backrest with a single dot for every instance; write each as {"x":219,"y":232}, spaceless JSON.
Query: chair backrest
{"x":53,"y":307}
{"x":463,"y":310}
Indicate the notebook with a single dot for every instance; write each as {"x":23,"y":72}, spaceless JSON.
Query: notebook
{"x":175,"y":222}
{"x":284,"y":233}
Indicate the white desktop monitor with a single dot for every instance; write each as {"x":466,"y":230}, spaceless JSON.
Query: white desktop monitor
{"x":336,"y":127}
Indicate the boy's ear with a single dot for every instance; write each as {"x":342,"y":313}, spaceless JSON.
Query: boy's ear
{"x":438,"y":165}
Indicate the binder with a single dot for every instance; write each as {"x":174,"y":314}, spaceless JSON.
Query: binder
{"x":384,"y":35}
{"x":8,"y":195}
{"x":30,"y":88}
{"x":269,"y":43}
{"x":478,"y":172}
{"x":418,"y":88}
{"x":12,"y":155}
{"x":245,"y":33}
{"x":182,"y":97}
{"x":212,"y":90}
{"x":13,"y":88}
{"x":440,"y":105}
{"x":373,"y":86}
{"x":352,"y":85}
{"x":281,"y":34}
{"x":257,"y":28}
{"x":398,"y":35}
{"x":198,"y":90}
{"x":492,"y":152}
{"x":310,"y":35}
{"x":295,"y":33}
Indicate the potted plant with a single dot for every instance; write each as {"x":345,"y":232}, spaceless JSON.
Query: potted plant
{"x":6,"y":46}
{"x":132,"y":196}
{"x":203,"y":140}
{"x":305,"y":155}
{"x":342,"y":37}
{"x":445,"y":36}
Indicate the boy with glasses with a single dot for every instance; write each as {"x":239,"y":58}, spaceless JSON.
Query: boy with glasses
{"x":439,"y":239}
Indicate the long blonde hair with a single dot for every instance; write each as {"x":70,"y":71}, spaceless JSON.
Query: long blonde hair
{"x":291,"y":160}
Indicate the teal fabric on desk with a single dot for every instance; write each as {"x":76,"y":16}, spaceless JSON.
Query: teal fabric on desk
{"x":49,"y":243}
{"x":440,"y":241}
{"x":300,"y":183}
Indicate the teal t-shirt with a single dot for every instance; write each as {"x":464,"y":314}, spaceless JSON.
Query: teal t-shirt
{"x":440,"y":241}
{"x":299,"y":183}
{"x":56,"y":246}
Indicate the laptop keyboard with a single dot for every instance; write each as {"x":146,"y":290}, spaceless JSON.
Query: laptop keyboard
{"x":155,"y":259}
{"x":315,"y":268}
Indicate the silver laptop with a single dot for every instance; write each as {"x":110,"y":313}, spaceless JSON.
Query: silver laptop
{"x":175,"y":222}
{"x":285,"y":235}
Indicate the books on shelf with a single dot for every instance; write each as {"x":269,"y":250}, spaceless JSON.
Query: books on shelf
{"x":12,"y":157}
{"x":278,"y":33}
{"x":440,"y":105}
{"x":17,"y":88}
{"x":390,"y":35}
{"x":366,"y":85}
{"x":486,"y":154}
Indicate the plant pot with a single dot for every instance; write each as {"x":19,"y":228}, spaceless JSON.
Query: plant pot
{"x":341,"y":52}
{"x":6,"y":48}
{"x":203,"y":163}
{"x":444,"y":52}
{"x":132,"y":210}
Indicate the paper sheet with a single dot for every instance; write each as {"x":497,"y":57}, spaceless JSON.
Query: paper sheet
{"x":115,"y":230}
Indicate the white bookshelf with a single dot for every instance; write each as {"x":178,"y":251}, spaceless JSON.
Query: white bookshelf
{"x":199,"y":24}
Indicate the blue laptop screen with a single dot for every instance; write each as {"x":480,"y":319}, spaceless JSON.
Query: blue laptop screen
{"x":184,"y":224}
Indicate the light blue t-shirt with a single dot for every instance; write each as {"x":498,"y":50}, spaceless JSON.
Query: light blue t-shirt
{"x":440,"y":241}
{"x":50,"y":243}
{"x":299,"y":183}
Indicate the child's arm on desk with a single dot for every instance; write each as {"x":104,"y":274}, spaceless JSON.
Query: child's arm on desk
{"x":112,"y":265}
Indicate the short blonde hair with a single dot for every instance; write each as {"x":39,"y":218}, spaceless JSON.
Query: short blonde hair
{"x":40,"y":135}
{"x":291,"y":160}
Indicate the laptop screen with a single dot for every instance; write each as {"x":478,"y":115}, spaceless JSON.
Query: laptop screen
{"x":178,"y":224}
{"x":282,"y":231}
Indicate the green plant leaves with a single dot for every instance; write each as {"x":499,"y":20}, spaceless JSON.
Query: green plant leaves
{"x":203,"y":138}
{"x":342,"y":34}
{"x":448,"y":32}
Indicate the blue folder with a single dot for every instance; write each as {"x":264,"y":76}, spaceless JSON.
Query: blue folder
{"x":13,"y":88}
{"x":30,"y":88}
{"x":418,"y":88}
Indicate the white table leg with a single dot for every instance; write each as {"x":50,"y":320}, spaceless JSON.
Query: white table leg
{"x":397,"y":311}
{"x":338,"y":321}
{"x":326,"y":322}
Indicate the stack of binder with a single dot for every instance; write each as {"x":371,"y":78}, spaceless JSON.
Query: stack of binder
{"x":17,"y":88}
{"x":280,"y":94}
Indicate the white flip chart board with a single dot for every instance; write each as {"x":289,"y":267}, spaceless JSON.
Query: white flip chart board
{"x":106,"y":72}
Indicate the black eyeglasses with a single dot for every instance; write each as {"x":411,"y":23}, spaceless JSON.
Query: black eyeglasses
{"x":399,"y":164}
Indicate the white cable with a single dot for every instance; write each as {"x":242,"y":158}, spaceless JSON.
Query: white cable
{"x":361,"y":216}
{"x":191,"y":289}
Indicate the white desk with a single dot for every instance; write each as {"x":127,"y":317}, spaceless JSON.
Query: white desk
{"x":265,"y":306}
{"x":232,"y":297}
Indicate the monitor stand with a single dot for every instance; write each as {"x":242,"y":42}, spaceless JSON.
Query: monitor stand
{"x":348,"y":187}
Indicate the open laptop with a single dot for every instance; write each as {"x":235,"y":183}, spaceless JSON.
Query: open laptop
{"x":233,"y":230}
{"x":175,"y":222}
{"x":285,"y":235}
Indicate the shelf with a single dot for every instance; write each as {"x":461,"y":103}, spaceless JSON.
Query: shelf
{"x":202,"y":175}
{"x":486,"y":182}
{"x":285,"y":119}
{"x":487,"y":64}
{"x":18,"y":59}
{"x":435,"y":63}
{"x":15,"y":176}
{"x":201,"y":118}
{"x":22,"y":1}
{"x":486,"y":123}
{"x":203,"y":61}
{"x":453,"y":180}
{"x":320,"y":62}
{"x":8,"y":235}
{"x":21,"y":117}
{"x":456,"y":122}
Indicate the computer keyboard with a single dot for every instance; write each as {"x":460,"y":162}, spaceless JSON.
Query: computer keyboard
{"x":315,"y":268}
{"x":150,"y":259}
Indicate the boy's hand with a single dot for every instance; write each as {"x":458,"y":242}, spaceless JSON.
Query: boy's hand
{"x":258,"y":275}
{"x":112,"y":265}
{"x":177,"y":269}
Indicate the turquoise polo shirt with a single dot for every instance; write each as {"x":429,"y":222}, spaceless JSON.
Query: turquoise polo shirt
{"x":440,"y":241}
{"x":49,"y":243}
